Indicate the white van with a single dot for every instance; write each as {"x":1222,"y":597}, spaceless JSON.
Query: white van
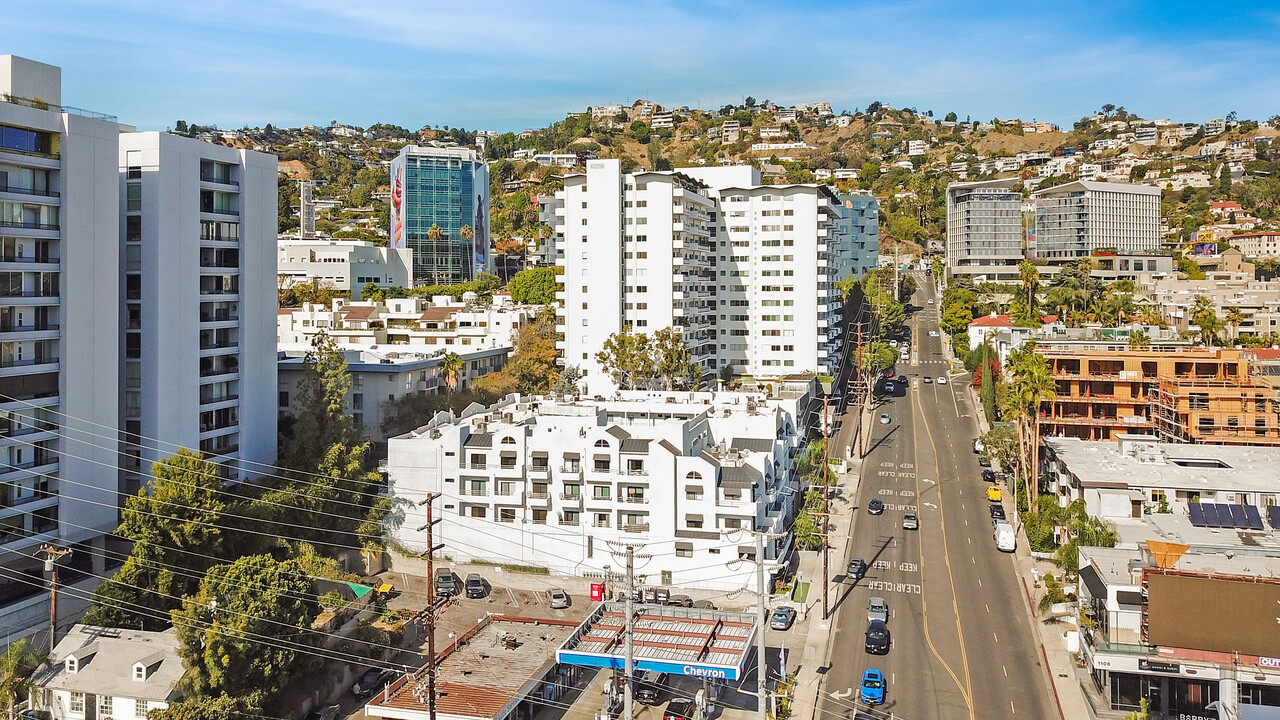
{"x":1006,"y":540}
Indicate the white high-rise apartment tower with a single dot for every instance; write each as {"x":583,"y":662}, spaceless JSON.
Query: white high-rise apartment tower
{"x":199,"y":277}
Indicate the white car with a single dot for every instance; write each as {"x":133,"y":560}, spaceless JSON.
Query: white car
{"x":930,"y":301}
{"x":933,"y":333}
{"x":884,"y":418}
{"x":893,"y":343}
{"x":942,"y":380}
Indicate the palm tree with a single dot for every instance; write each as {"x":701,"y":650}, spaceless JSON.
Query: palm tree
{"x":1033,"y":383}
{"x":1205,"y":315}
{"x":1030,"y":286}
{"x":435,"y":233}
{"x":1234,"y":318}
{"x":17,"y":664}
{"x":1138,"y":340}
{"x":451,"y":366}
{"x":466,"y":233}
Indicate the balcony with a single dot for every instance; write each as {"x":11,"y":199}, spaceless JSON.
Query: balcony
{"x":634,"y":500}
{"x":35,"y":192}
{"x":219,"y":211}
{"x":38,"y":461}
{"x":218,"y":399}
{"x":543,"y":495}
{"x":574,"y":497}
{"x":29,"y":225}
{"x":569,"y":523}
{"x":476,"y":465}
{"x":11,"y":362}
{"x":220,"y":316}
{"x":635,"y":527}
{"x":44,"y":293}
{"x":213,"y":178}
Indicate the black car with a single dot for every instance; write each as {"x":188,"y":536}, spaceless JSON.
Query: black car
{"x":475,"y":586}
{"x":997,"y":511}
{"x":857,"y":569}
{"x":984,"y":461}
{"x":902,"y":380}
{"x":680,"y":710}
{"x":877,"y":638}
{"x":372,"y":680}
{"x":989,"y":475}
{"x":648,"y":688}
{"x":875,"y":507}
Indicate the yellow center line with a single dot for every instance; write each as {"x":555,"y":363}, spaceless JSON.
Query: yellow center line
{"x":946,"y":555}
{"x":965,"y":692}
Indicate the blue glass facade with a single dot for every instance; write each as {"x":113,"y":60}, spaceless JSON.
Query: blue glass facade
{"x":448,"y":189}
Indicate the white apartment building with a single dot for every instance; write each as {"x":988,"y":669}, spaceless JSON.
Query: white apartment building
{"x":199,"y":279}
{"x":347,"y":265}
{"x":606,"y":111}
{"x":1078,"y":218}
{"x":1213,"y":127}
{"x":383,"y":375}
{"x":408,"y":324}
{"x":636,"y":252}
{"x":984,"y":230}
{"x":536,"y":481}
{"x":59,"y":338}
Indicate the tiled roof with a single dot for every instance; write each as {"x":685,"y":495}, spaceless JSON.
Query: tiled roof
{"x":436,"y":314}
{"x":357,"y":312}
{"x":991,"y":321}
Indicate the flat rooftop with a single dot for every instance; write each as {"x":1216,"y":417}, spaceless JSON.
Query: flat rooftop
{"x":1197,"y":468}
{"x":710,"y":640}
{"x":493,"y":666}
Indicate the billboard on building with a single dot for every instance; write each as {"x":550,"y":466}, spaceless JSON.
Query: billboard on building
{"x":1209,"y":248}
{"x":1245,"y":617}
{"x":397,"y":203}
{"x":481,"y":226}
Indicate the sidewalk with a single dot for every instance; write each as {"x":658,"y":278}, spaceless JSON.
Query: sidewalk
{"x":1066,"y":679}
{"x":817,"y":651}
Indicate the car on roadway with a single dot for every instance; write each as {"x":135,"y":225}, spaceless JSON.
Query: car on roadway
{"x":475,"y":586}
{"x":984,"y":461}
{"x":560,"y":599}
{"x":993,"y":494}
{"x":857,"y":569}
{"x":884,"y":418}
{"x":871,"y":691}
{"x":988,"y":475}
{"x":933,"y":333}
{"x":902,"y":379}
{"x":930,"y":301}
{"x":372,"y":680}
{"x":997,"y":512}
{"x":889,"y":387}
{"x":783,"y":618}
{"x":682,"y":709}
{"x":877,"y":609}
{"x":910,"y":522}
{"x":877,"y":638}
{"x":942,"y":379}
{"x":328,"y":712}
{"x":875,"y":507}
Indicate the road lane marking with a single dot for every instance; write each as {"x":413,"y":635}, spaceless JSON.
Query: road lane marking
{"x":988,"y":607}
{"x":1006,"y":670}
{"x":1011,"y":710}
{"x":997,"y":637}
{"x":979,"y":582}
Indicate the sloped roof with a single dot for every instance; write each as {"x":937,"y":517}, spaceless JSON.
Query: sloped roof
{"x":357,"y":312}
{"x":743,"y":476}
{"x":479,"y":440}
{"x":635,"y":445}
{"x":752,"y":444}
{"x":618,"y":432}
{"x":106,"y":657}
{"x":992,"y":321}
{"x":436,"y":314}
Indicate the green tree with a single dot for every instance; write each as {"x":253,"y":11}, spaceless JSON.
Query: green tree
{"x":435,"y":233}
{"x":988,"y":392}
{"x":535,"y":286}
{"x":1000,"y":443}
{"x":1235,"y":316}
{"x":451,"y":367}
{"x":628,"y":358}
{"x":19,"y":661}
{"x":956,"y":318}
{"x":951,"y":117}
{"x":247,"y":629}
{"x":1205,"y":316}
{"x":878,"y":357}
{"x":1032,"y":384}
{"x":174,"y":522}
{"x":222,"y":707}
{"x":494,"y":385}
{"x":359,"y":196}
{"x":533,"y":356}
{"x":1138,"y":340}
{"x":322,"y":419}
{"x":1030,"y":276}
{"x":567,"y":383}
{"x":675,"y":364}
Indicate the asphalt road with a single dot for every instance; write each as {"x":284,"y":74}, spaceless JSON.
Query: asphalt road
{"x":962,"y":642}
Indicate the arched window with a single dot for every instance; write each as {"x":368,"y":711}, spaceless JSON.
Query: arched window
{"x":602,"y":443}
{"x":508,"y":440}
{"x":695,"y":475}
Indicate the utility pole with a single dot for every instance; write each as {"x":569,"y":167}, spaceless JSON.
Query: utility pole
{"x":431,"y":611}
{"x":761,"y":666}
{"x":630,"y":633}
{"x":826,"y":509}
{"x":52,"y":556}
{"x":863,"y":388}
{"x":895,"y":272}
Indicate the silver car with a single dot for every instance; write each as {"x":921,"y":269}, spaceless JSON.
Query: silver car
{"x":559,"y":599}
{"x":878,"y":609}
{"x":910,"y":522}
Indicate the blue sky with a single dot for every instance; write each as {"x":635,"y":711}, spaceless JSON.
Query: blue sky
{"x":512,"y":65}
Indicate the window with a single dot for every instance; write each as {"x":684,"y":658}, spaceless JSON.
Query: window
{"x":506,"y":515}
{"x":105,"y":703}
{"x":140,"y":708}
{"x":602,"y":443}
{"x":684,"y":552}
{"x":539,"y":516}
{"x":139,"y":672}
{"x":77,"y":702}
{"x":477,"y":511}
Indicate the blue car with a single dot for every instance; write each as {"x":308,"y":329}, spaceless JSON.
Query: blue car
{"x":872,"y":689}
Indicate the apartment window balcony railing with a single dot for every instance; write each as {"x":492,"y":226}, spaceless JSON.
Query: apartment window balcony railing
{"x":539,"y":496}
{"x":223,"y":370}
{"x":29,"y":259}
{"x":635,"y":527}
{"x":218,"y":399}
{"x":219,"y":264}
{"x":19,"y":190}
{"x":571,"y":496}
{"x":569,"y":523}
{"x":478,"y":465}
{"x":217,"y":238}
{"x":38,"y":327}
{"x":220,"y":290}
{"x":635,"y":500}
{"x":540,"y":468}
{"x":507,"y":466}
{"x":635,"y":472}
{"x":37,"y":461}
{"x":29,"y":225}
{"x":211,"y":178}
{"x":27,"y":427}
{"x":600,"y":524}
{"x":224,"y":450}
{"x":218,"y":317}
{"x":218,"y":345}
{"x":11,"y":362}
{"x":220,"y":211}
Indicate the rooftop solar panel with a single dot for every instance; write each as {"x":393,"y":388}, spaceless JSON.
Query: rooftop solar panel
{"x":1238,"y":517}
{"x":1251,"y":514}
{"x":1273,"y":514}
{"x":1197,"y":514}
{"x":1210,"y":515}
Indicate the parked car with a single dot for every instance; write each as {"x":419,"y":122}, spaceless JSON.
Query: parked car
{"x":877,"y":642}
{"x":889,"y":388}
{"x":878,"y":609}
{"x":993,"y":494}
{"x":910,"y":521}
{"x":680,"y":600}
{"x":648,"y":687}
{"x":783,"y":618}
{"x":997,"y":512}
{"x":447,"y":582}
{"x":871,"y":691}
{"x":984,"y":461}
{"x":704,"y":604}
{"x":875,"y":507}
{"x":682,"y":709}
{"x":475,"y":586}
{"x":857,"y":568}
{"x":328,"y":712}
{"x":559,"y":599}
{"x":371,"y":681}
{"x":989,"y":475}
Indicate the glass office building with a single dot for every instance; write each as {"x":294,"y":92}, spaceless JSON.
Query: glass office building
{"x":448,"y":188}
